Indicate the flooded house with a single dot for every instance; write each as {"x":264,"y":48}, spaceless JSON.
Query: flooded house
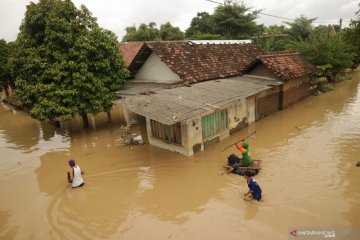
{"x":195,"y":93}
{"x":289,"y":68}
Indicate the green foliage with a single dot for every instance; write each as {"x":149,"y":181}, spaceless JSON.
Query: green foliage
{"x":275,"y":30}
{"x":151,"y":33}
{"x":352,"y":37}
{"x":168,"y":32}
{"x":301,"y":28}
{"x":4,"y":69}
{"x":142,"y":33}
{"x":324,"y":48}
{"x":233,"y":20}
{"x":64,"y":63}
{"x":319,"y":81}
{"x":201,"y":27}
{"x":205,"y":36}
{"x":269,"y":43}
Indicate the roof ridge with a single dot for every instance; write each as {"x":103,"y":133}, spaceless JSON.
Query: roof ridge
{"x":279,"y":54}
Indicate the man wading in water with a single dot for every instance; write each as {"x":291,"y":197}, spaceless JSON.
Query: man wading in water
{"x":74,"y":176}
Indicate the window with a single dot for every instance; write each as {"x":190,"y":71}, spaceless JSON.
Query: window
{"x":170,"y":133}
{"x":214,"y":123}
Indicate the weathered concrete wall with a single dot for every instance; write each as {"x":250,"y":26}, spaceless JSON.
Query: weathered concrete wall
{"x":239,"y":113}
{"x":295,"y":90}
{"x":250,"y":109}
{"x":194,"y":135}
{"x":154,"y":70}
{"x":267,"y":102}
{"x":182,"y":149}
{"x":237,"y":116}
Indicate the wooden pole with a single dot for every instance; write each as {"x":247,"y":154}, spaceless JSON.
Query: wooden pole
{"x":238,"y":141}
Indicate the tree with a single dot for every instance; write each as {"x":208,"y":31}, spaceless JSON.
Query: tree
{"x":64,"y":63}
{"x":234,"y":20}
{"x":4,"y":69}
{"x":301,"y":28}
{"x":270,"y":43}
{"x":324,"y":48}
{"x":151,"y":33}
{"x":143,"y":33}
{"x":168,"y":32}
{"x":352,"y":37}
{"x":202,"y":26}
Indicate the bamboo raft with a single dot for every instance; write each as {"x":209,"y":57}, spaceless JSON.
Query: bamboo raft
{"x":254,"y":168}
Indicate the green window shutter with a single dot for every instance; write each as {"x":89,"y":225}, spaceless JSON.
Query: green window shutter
{"x":214,"y":123}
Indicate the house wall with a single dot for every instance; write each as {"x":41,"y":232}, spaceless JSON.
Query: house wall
{"x":295,"y":90}
{"x":194,"y":135}
{"x":154,"y":70}
{"x":250,"y":109}
{"x":179,"y":148}
{"x":237,"y":115}
{"x":267,"y":102}
{"x":191,"y":131}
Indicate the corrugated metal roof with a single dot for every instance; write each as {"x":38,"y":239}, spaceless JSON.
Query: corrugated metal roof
{"x":169,"y":106}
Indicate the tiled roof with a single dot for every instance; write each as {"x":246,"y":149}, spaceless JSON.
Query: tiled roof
{"x":129,"y":50}
{"x":199,"y":62}
{"x":287,"y":65}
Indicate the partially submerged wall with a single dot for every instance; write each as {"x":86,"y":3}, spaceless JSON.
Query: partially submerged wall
{"x":267,"y":102}
{"x":294,"y":90}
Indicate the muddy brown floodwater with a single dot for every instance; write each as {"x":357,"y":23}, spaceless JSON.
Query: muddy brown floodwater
{"x":309,"y":178}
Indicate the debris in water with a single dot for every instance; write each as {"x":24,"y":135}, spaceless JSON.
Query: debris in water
{"x":137,"y":140}
{"x":125,"y":134}
{"x":358,"y":164}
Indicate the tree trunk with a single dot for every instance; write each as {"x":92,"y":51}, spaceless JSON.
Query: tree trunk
{"x":85,"y":120}
{"x":10,"y":90}
{"x":6,"y":91}
{"x":109,"y":116}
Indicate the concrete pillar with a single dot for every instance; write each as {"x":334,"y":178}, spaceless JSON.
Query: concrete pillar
{"x":93,"y":123}
{"x":126,"y":116}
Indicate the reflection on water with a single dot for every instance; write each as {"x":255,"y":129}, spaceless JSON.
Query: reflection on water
{"x":308,"y":179}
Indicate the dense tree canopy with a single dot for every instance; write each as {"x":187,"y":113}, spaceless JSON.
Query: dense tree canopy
{"x":324,"y":47}
{"x":232,"y":20}
{"x":202,"y":27}
{"x":64,"y":63}
{"x":4,"y":70}
{"x":151,"y":33}
{"x":142,"y":33}
{"x":352,"y":37}
{"x":301,"y":28}
{"x":168,"y":32}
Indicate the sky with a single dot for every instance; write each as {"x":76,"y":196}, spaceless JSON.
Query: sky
{"x":116,"y":15}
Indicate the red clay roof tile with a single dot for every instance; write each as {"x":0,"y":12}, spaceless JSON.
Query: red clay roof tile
{"x":199,"y":62}
{"x":129,"y":50}
{"x":287,"y":65}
